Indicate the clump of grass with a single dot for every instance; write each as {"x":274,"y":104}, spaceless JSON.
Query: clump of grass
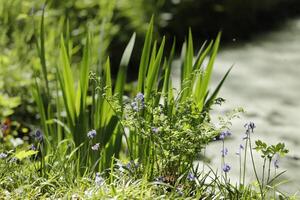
{"x":96,"y":143}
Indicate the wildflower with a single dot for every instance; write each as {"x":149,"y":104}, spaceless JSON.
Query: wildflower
{"x":224,"y":152}
{"x":39,"y":135}
{"x":138,"y":102}
{"x":154,"y":130}
{"x":96,"y":147}
{"x":226,"y":168}
{"x":32,"y":147}
{"x":240,"y":149}
{"x":139,"y":97}
{"x":224,"y":134}
{"x":3,"y":155}
{"x":99,"y":181}
{"x":91,"y":134}
{"x":191,"y":177}
{"x":249,"y":127}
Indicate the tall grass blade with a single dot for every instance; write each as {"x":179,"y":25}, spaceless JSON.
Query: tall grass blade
{"x":145,"y":57}
{"x":121,"y":77}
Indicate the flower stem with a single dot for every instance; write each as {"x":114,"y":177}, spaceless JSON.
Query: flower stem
{"x":245,"y":160}
{"x":254,"y":169}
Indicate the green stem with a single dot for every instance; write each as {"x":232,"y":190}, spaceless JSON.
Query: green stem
{"x":269,"y":171}
{"x":240,"y":160}
{"x":245,"y":160}
{"x":254,"y":169}
{"x":263,"y":173}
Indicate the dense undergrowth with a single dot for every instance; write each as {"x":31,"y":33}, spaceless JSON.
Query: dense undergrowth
{"x":98,"y":139}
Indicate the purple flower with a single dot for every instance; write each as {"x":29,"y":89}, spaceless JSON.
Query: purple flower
{"x":226,"y":168}
{"x":138,"y":102}
{"x":154,"y":130}
{"x":3,"y":155}
{"x":240,"y":149}
{"x":39,"y":135}
{"x":250,"y":127}
{"x":224,"y":152}
{"x":91,"y":134}
{"x":224,"y":134}
{"x":191,"y":177}
{"x":139,"y":97}
{"x":32,"y":147}
{"x":96,"y":147}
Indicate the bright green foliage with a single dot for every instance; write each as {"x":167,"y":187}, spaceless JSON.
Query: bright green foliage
{"x":174,"y":139}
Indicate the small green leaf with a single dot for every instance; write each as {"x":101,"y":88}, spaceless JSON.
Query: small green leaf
{"x":25,"y":154}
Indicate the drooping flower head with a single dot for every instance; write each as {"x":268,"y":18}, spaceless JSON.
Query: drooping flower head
{"x":241,"y":147}
{"x":191,"y":177}
{"x":224,"y":152}
{"x":224,"y":134}
{"x":138,"y":102}
{"x":32,"y":147}
{"x":3,"y":155}
{"x":39,"y":135}
{"x":226,"y":168}
{"x":154,"y":130}
{"x":91,"y":134}
{"x":96,"y":147}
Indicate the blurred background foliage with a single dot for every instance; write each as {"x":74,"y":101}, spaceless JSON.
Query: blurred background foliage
{"x":111,"y":23}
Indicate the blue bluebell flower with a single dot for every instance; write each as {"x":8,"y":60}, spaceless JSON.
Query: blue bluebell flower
{"x":3,"y":155}
{"x":226,"y":168}
{"x":191,"y":177}
{"x":32,"y":147}
{"x":224,"y":152}
{"x":240,"y":149}
{"x":139,"y":97}
{"x":138,"y":102}
{"x":91,"y":134}
{"x":96,"y":147}
{"x":224,"y":134}
{"x":39,"y":135}
{"x":250,"y":127}
{"x":154,"y":130}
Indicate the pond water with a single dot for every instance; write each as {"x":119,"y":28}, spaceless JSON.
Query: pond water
{"x":265,"y":81}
